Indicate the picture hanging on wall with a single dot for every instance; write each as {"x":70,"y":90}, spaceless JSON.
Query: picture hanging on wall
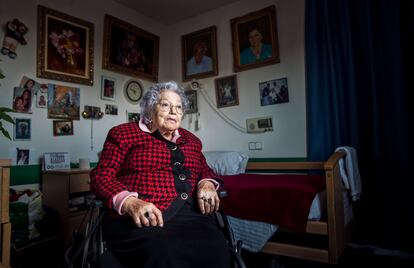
{"x":111,"y":109}
{"x":133,"y":116}
{"x":22,"y":156}
{"x":255,"y":40}
{"x":130,"y":50}
{"x":108,"y":88}
{"x":62,"y":127}
{"x":65,"y":47}
{"x":274,"y":92}
{"x":22,"y":129}
{"x":41,"y":96}
{"x":22,"y":100}
{"x":199,"y":54}
{"x":226,"y":91}
{"x":192,"y":98}
{"x":63,"y":102}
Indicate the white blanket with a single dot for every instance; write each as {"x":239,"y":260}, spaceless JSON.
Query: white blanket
{"x":350,"y":172}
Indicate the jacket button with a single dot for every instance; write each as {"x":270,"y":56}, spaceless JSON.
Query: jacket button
{"x":173,"y":148}
{"x":177,"y":164}
{"x":182,"y":177}
{"x":184,"y":196}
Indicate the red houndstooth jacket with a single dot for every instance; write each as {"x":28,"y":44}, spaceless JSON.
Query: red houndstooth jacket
{"x":137,"y":161}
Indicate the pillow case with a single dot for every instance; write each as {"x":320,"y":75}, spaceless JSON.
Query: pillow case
{"x":226,"y":162}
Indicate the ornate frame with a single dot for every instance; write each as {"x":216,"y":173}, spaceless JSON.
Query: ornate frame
{"x":130,"y":50}
{"x":65,"y":47}
{"x":265,"y":20}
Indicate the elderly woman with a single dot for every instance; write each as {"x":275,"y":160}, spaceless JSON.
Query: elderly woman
{"x":160,"y":191}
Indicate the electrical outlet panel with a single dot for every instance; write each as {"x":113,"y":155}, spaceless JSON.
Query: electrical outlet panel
{"x":259,"y":124}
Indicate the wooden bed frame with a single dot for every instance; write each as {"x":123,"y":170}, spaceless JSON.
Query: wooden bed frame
{"x":338,"y":234}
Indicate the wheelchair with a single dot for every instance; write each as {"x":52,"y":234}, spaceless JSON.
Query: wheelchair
{"x":89,"y":250}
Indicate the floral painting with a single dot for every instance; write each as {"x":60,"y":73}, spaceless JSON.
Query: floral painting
{"x":65,"y":48}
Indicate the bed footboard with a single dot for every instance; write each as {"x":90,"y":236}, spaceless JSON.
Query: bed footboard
{"x":333,"y":227}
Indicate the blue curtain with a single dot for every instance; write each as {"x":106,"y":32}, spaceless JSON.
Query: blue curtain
{"x":359,"y":62}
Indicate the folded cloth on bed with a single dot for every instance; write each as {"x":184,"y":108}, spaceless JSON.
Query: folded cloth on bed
{"x":281,"y":199}
{"x":349,"y":171}
{"x":254,"y":234}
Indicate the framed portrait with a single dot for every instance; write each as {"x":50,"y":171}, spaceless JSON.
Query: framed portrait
{"x":255,"y":40}
{"x":133,"y":116}
{"x":199,"y":54}
{"x":108,"y":88}
{"x":22,"y":129}
{"x":130,"y":50}
{"x":62,"y":127}
{"x":63,"y":102}
{"x":226,"y":91}
{"x":22,"y":156}
{"x":274,"y":92}
{"x":65,"y":47}
{"x":192,"y":98}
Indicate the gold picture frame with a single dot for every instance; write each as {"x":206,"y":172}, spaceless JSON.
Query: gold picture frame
{"x":255,"y":40}
{"x":65,"y":47}
{"x":199,"y":54}
{"x":130,"y":50}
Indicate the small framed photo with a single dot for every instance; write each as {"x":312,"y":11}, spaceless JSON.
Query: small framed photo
{"x":111,"y":109}
{"x":255,"y":40}
{"x":108,"y":88}
{"x":192,"y":98}
{"x":22,"y":156}
{"x":199,"y":54}
{"x":133,"y":116}
{"x":62,"y":127}
{"x":274,"y":92}
{"x":130,"y":50}
{"x":23,"y":129}
{"x":41,"y":96}
{"x":226,"y":91}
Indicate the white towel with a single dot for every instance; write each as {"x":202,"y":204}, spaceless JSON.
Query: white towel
{"x":350,"y":172}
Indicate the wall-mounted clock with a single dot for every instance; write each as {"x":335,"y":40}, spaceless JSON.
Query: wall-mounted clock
{"x":133,"y":91}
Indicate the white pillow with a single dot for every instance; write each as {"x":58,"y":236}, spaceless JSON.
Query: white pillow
{"x":226,"y":162}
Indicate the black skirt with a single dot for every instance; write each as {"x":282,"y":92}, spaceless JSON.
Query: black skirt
{"x":188,"y":240}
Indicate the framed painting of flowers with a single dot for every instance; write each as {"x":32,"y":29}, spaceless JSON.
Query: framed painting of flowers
{"x":65,"y":47}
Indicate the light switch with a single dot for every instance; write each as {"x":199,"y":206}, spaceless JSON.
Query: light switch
{"x":252,"y":146}
{"x":259,"y":146}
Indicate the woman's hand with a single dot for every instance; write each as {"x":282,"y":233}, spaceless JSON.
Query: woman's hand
{"x":143,"y":213}
{"x":207,"y":197}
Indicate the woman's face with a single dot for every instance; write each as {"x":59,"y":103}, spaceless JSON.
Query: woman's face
{"x":167,"y":118}
{"x":30,"y":84}
{"x":26,"y":94}
{"x":255,"y":38}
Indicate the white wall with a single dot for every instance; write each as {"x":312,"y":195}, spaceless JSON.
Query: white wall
{"x":78,"y":145}
{"x":289,"y":136}
{"x":287,"y":140}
